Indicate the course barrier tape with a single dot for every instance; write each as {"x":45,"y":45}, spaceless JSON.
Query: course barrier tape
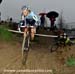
{"x":35,"y":34}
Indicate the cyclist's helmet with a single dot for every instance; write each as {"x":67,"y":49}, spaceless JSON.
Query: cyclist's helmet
{"x":24,"y":7}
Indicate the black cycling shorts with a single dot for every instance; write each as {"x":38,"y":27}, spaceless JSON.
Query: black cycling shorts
{"x":30,"y":22}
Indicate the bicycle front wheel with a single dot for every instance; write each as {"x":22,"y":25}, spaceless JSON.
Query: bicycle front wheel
{"x":25,"y":49}
{"x":27,"y":42}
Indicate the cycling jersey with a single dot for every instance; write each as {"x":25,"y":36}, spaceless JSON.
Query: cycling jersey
{"x":31,"y":16}
{"x":67,"y":40}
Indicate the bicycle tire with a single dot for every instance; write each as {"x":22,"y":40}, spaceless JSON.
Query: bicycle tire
{"x":27,"y":42}
{"x":25,"y":56}
{"x":25,"y":52}
{"x":53,"y":48}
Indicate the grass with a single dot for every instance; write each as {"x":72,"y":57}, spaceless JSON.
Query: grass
{"x":4,"y":34}
{"x":70,"y":61}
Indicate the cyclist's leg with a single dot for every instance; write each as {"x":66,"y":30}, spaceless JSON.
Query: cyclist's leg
{"x":25,"y":35}
{"x":33,"y":31}
{"x":25,"y":31}
{"x":26,"y":27}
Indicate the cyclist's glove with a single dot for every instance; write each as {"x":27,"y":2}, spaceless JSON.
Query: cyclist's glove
{"x":19,"y":29}
{"x":21,"y":23}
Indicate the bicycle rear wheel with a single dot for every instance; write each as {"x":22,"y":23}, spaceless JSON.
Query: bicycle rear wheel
{"x":53,"y":48}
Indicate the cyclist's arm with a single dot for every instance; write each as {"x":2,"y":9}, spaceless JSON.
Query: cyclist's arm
{"x":37,"y":22}
{"x":23,"y":21}
{"x":35,"y":18}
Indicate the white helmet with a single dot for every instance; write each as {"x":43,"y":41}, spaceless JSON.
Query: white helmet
{"x":24,"y":7}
